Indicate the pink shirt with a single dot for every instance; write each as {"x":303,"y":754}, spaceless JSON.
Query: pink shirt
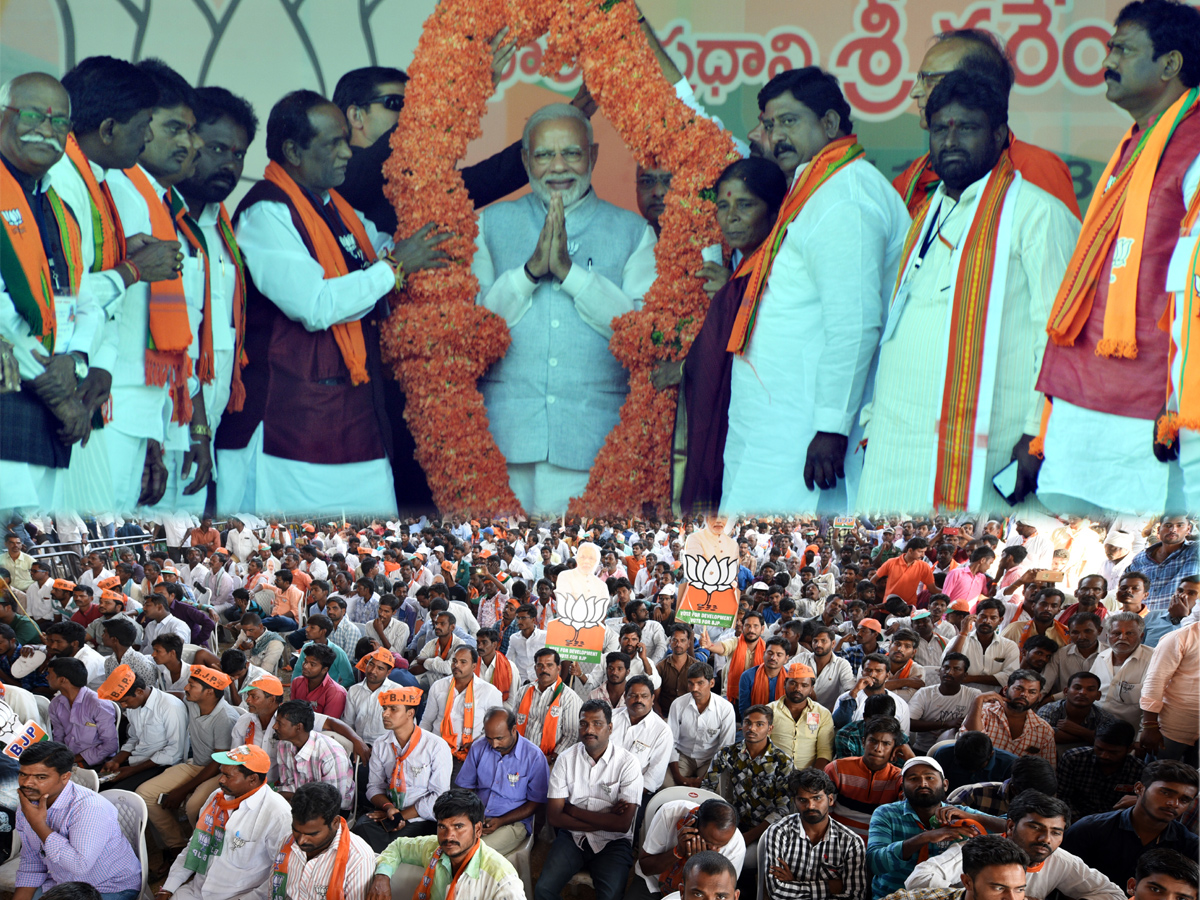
{"x":960,"y":584}
{"x":329,"y":697}
{"x":1171,"y":687}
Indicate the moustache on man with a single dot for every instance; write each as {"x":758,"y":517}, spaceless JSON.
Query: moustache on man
{"x":54,"y":143}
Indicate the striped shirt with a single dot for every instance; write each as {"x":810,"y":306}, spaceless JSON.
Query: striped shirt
{"x":320,"y":759}
{"x":840,"y":855}
{"x":1164,"y":577}
{"x":860,"y":792}
{"x":308,"y":879}
{"x":488,"y":876}
{"x":1035,"y":739}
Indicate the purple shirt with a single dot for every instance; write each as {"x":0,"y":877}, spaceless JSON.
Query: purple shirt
{"x":88,"y":727}
{"x":506,"y":781}
{"x":85,"y":844}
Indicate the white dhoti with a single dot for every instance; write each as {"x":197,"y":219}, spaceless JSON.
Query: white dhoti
{"x":126,"y":461}
{"x":87,"y":482}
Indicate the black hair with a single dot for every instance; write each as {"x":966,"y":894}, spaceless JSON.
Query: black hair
{"x":391,"y":601}
{"x":907,"y":634}
{"x":991,"y":850}
{"x":990,"y":603}
{"x":7,"y":632}
{"x":987,"y":56}
{"x":811,"y":780}
{"x":717,"y":812}
{"x":214,"y":102}
{"x":358,"y":86}
{"x":600,"y":706}
{"x":72,"y":890}
{"x":71,"y":632}
{"x":173,"y":89}
{"x":123,"y":631}
{"x":763,"y":710}
{"x":233,"y":661}
{"x":762,"y":178}
{"x":882,"y":725}
{"x":812,"y":86}
{"x":490,"y":633}
{"x":879,"y":705}
{"x":1039,"y":642}
{"x":1171,"y":26}
{"x":1168,"y":770}
{"x":1037,"y":803}
{"x":322,"y":653}
{"x":1076,"y":676}
{"x":70,"y":668}
{"x":700,"y":670}
{"x":634,"y":680}
{"x":467,"y":648}
{"x":250,"y":618}
{"x":104,"y":87}
{"x":458,"y":802}
{"x":1160,"y":861}
{"x":708,"y":862}
{"x":321,"y":621}
{"x":298,"y":712}
{"x":316,"y":800}
{"x":447,"y":615}
{"x":972,"y":750}
{"x":51,"y":754}
{"x":878,"y":658}
{"x":1118,"y":732}
{"x":289,"y":121}
{"x":631,"y":628}
{"x":1016,"y":553}
{"x":548,"y":651}
{"x":1081,"y":618}
{"x":1032,"y":773}
{"x":1026,"y":675}
{"x":618,"y":656}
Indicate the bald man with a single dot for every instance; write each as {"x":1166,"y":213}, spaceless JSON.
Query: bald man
{"x":46,"y":310}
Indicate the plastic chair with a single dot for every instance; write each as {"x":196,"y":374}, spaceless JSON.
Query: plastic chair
{"x":8,"y":871}
{"x":189,"y":653}
{"x":763,"y":864}
{"x":132,"y":817}
{"x":405,"y":881}
{"x":520,"y":861}
{"x":668,"y":795}
{"x":939,"y":745}
{"x":43,"y":707}
{"x":87,"y":778}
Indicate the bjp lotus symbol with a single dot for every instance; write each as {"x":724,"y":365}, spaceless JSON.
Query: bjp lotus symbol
{"x":711,"y":575}
{"x":580,"y":611}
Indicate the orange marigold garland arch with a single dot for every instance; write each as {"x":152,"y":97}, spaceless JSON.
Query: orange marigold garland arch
{"x":440,"y":342}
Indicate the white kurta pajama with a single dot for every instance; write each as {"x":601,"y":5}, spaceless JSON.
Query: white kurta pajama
{"x":902,"y":421}
{"x":818,"y":324}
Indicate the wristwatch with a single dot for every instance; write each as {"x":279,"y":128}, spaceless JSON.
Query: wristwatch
{"x":81,"y":365}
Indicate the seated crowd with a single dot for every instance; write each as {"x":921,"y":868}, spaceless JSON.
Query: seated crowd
{"x":916,"y":709}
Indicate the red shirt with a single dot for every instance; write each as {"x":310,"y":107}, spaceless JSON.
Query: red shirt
{"x":88,"y":616}
{"x":329,"y":697}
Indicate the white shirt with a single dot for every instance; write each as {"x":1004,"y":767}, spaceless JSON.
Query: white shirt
{"x":95,"y":665}
{"x":249,"y":730}
{"x":931,"y":703}
{"x":596,"y":786}
{"x":902,"y":713}
{"x":308,"y":879}
{"x":363,"y":712}
{"x":521,"y":651}
{"x":1002,"y":658}
{"x":241,"y":544}
{"x":488,"y":673}
{"x":697,"y":734}
{"x":463,"y":617}
{"x":158,"y":730}
{"x":1062,"y":871}
{"x":662,"y":833}
{"x":426,"y":769}
{"x":38,"y":603}
{"x":88,"y":579}
{"x":832,"y":681}
{"x":1121,"y":687}
{"x":169,"y":625}
{"x":650,"y":741}
{"x":1065,"y":663}
{"x":434,"y":664}
{"x":485,"y":698}
{"x":253,"y":835}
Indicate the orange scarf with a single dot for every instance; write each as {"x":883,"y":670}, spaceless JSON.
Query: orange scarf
{"x":23,"y":262}
{"x":760,"y":691}
{"x":1030,"y":630}
{"x":425,"y":889}
{"x":107,"y":234}
{"x":396,"y":786}
{"x":206,"y":368}
{"x":1107,"y":227}
{"x":820,"y":168}
{"x":448,"y":735}
{"x":170,"y":335}
{"x":337,"y":879}
{"x":444,"y":652}
{"x":209,"y":836}
{"x":349,"y":336}
{"x":501,"y":675}
{"x":906,"y":672}
{"x":1188,"y":389}
{"x":737,"y":665}
{"x":549,"y":735}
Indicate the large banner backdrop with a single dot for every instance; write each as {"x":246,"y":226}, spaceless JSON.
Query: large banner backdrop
{"x":726,"y":48}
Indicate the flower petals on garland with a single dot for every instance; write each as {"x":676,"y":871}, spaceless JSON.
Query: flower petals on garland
{"x":440,"y":342}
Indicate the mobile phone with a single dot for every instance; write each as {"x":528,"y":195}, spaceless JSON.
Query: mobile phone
{"x":1048,"y":575}
{"x":1005,"y":482}
{"x":952,"y":531}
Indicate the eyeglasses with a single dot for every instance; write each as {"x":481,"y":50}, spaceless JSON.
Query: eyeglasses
{"x":571,"y":155}
{"x":928,"y":78}
{"x":393,"y":102}
{"x":33,"y":118}
{"x":649,"y":181}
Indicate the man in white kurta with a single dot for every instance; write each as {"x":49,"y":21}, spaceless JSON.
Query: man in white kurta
{"x":483,"y":697}
{"x":902,"y":421}
{"x":805,"y":366}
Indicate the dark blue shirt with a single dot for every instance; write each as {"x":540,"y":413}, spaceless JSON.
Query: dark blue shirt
{"x":997,"y":770}
{"x":1108,"y":843}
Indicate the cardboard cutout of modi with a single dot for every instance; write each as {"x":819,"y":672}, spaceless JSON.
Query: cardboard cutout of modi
{"x":710,"y":564}
{"x":582,"y":600}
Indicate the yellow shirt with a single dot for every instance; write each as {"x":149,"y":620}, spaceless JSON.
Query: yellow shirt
{"x":805,"y":740}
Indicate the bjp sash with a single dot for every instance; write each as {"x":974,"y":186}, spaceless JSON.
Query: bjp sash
{"x":501,"y":674}
{"x":672,"y":879}
{"x":825,"y":164}
{"x":108,"y":236}
{"x":424,"y":890}
{"x":1186,"y":413}
{"x":737,"y":665}
{"x":209,"y":837}
{"x":23,"y":262}
{"x":549,"y":735}
{"x":1116,"y":221}
{"x":206,"y":368}
{"x":760,"y":691}
{"x":448,"y":735}
{"x":1030,"y":629}
{"x":906,"y":671}
{"x":349,"y":336}
{"x":980,"y":267}
{"x":337,"y":879}
{"x":169,"y":334}
{"x":396,"y":787}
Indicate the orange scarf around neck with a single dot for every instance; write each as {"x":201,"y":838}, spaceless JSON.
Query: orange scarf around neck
{"x":108,"y":236}
{"x":549,"y":723}
{"x":760,"y":691}
{"x":448,"y":734}
{"x":501,"y":674}
{"x":737,"y":665}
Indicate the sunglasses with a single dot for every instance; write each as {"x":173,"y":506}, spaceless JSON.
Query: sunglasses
{"x":393,"y":102}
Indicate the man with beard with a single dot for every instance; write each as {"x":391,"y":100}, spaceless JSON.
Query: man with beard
{"x":1113,"y":841}
{"x":834,"y":675}
{"x":1039,"y":651}
{"x":1083,"y":632}
{"x":456,"y":703}
{"x":982,"y":261}
{"x":1035,"y":822}
{"x":68,"y":833}
{"x":744,"y":651}
{"x":917,"y":827}
{"x":993,"y":658}
{"x":1122,"y":667}
{"x":811,"y":847}
{"x":849,"y":706}
{"x":1047,"y":603}
{"x":457,"y":861}
{"x":642,"y":732}
{"x":802,"y":728}
{"x":938,"y":710}
{"x":763,"y":684}
{"x":1008,"y":718}
{"x":331,"y":859}
{"x":905,"y":675}
{"x":590,"y":263}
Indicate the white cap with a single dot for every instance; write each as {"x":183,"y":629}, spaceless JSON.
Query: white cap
{"x":439,"y":549}
{"x":668,"y":590}
{"x":759,"y":586}
{"x":922,"y":761}
{"x":1122,"y":539}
